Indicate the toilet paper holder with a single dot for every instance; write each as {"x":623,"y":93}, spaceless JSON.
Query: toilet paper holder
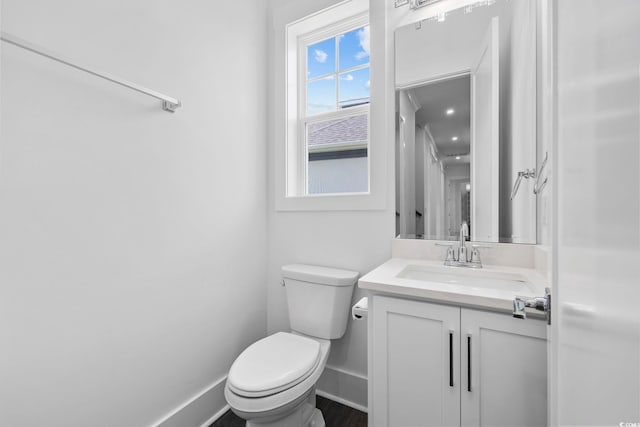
{"x":360,"y":309}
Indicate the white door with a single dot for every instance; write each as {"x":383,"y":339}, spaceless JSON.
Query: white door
{"x":485,"y":137}
{"x":595,"y":332}
{"x":504,"y":370}
{"x":415,"y":361}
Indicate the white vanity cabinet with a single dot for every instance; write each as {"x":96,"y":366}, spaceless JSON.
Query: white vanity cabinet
{"x":415,"y":346}
{"x":422,"y":354}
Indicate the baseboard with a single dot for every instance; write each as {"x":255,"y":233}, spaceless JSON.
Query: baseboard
{"x":343,"y":386}
{"x":341,"y":401}
{"x":201,"y":410}
{"x":340,"y":385}
{"x":215,"y":416}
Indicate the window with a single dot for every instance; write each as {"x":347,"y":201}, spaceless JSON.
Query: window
{"x":334,"y":125}
{"x":328,"y":96}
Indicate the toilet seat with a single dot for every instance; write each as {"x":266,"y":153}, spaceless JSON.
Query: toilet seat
{"x":273,"y":364}
{"x":260,"y":407}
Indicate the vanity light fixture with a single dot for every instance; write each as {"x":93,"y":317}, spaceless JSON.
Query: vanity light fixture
{"x":450,"y":111}
{"x":454,"y":139}
{"x":414,"y":4}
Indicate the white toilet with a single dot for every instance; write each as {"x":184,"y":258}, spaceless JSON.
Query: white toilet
{"x":273,"y":381}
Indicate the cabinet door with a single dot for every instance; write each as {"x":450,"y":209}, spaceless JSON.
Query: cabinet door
{"x":507,"y":359}
{"x":415,"y":361}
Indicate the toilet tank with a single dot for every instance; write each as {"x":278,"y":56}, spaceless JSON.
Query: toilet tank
{"x":319,"y":299}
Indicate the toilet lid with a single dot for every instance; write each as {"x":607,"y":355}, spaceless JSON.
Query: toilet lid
{"x":273,"y":364}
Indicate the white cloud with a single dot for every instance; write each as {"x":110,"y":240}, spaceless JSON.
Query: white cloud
{"x":348,"y":77}
{"x":364,"y":37}
{"x":320,"y":56}
{"x":315,"y":108}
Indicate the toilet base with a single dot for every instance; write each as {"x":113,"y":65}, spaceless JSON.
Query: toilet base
{"x":305,"y":414}
{"x":317,"y":420}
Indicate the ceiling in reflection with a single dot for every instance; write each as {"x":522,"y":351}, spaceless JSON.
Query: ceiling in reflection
{"x":434,"y":100}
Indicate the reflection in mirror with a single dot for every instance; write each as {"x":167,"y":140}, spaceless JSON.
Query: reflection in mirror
{"x":466,"y":123}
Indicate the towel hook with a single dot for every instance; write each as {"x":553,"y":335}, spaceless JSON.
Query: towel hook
{"x":537,"y":188}
{"x":527,"y":173}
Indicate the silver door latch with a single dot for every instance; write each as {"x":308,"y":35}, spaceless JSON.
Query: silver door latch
{"x":540,"y":303}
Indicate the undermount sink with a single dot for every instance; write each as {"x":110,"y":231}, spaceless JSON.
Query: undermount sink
{"x":475,"y":278}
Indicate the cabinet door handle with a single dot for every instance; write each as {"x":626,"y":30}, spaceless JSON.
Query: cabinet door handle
{"x":469,"y":362}
{"x":450,"y":358}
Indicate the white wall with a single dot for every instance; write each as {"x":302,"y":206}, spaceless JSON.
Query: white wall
{"x":358,"y":240}
{"x":132,"y":241}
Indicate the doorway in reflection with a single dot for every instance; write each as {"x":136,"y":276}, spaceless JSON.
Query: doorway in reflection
{"x":440,"y":113}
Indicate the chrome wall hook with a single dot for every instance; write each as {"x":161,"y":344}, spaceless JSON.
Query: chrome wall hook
{"x":537,"y":188}
{"x":527,"y":173}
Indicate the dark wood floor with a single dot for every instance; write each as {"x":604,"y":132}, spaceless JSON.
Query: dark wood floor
{"x":335,"y":415}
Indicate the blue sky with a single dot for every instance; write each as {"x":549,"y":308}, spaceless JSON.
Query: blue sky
{"x":321,"y":61}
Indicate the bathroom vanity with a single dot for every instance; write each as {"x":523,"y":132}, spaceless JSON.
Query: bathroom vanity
{"x":444,"y":348}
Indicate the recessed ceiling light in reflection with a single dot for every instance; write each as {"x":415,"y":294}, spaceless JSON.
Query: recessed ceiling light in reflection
{"x":454,"y":139}
{"x":468,"y":187}
{"x":457,"y":157}
{"x":450,"y":111}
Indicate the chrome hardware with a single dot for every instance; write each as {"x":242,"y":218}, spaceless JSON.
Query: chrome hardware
{"x":414,"y":4}
{"x":527,"y":173}
{"x":450,"y":253}
{"x":458,"y":257}
{"x":169,"y":104}
{"x":417,"y":4}
{"x":475,"y":253}
{"x":537,"y":188}
{"x":539,"y":303}
{"x":532,"y":173}
{"x":466,"y":264}
{"x":462,"y":249}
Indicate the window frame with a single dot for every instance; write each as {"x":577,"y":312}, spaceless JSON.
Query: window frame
{"x":289,"y":26}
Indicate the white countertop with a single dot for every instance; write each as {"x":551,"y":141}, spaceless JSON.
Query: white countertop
{"x":384,"y":279}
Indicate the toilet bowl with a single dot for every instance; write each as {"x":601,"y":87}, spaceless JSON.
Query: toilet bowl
{"x":277,"y":390}
{"x":272,"y":382}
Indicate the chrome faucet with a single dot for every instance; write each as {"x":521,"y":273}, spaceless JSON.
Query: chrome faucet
{"x":459,"y":257}
{"x":462,"y":249}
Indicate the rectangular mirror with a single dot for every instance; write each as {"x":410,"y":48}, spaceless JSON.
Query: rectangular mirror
{"x":466,"y":124}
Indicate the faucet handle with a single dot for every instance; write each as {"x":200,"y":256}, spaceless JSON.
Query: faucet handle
{"x":475,"y":254}
{"x":450,"y":253}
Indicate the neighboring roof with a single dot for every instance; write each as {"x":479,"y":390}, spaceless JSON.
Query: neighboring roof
{"x":344,"y":131}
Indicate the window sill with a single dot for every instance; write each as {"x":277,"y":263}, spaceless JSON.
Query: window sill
{"x":332,"y":202}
